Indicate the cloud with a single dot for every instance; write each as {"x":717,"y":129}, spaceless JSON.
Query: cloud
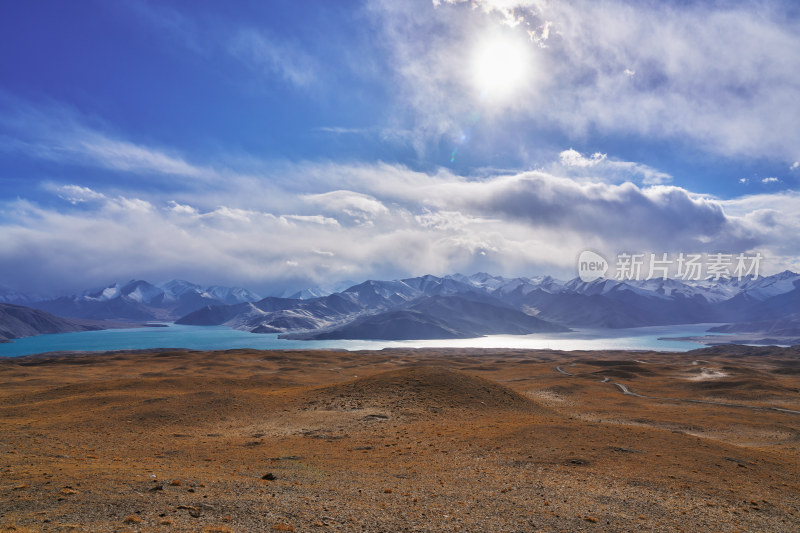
{"x":273,"y":58}
{"x":181,"y":209}
{"x":375,"y":221}
{"x":168,"y":22}
{"x":770,"y":180}
{"x":718,"y":74}
{"x":59,"y":133}
{"x":363,"y":208}
{"x":599,"y":166}
{"x":342,"y":131}
{"x":311,"y":219}
{"x":573,"y":158}
{"x":775,"y":218}
{"x":76,"y":194}
{"x":795,"y":165}
{"x":129,"y":157}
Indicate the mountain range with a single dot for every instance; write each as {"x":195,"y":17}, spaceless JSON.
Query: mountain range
{"x":468,"y":306}
{"x":454,"y":306}
{"x":136,"y":300}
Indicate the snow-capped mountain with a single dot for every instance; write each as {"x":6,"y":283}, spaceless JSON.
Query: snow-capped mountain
{"x":365,"y":310}
{"x":232,"y":295}
{"x":177,"y":287}
{"x":141,"y":300}
{"x":602,"y":303}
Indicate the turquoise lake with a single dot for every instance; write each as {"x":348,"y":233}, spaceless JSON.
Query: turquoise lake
{"x":222,"y":338}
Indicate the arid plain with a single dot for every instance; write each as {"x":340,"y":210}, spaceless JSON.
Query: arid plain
{"x":401,"y":440}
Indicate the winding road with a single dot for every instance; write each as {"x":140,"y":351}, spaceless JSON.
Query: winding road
{"x":559,"y":369}
{"x":627,"y":391}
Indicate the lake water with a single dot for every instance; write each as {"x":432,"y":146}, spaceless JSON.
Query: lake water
{"x":222,"y":338}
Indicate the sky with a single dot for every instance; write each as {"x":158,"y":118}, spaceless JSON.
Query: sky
{"x":291,"y":144}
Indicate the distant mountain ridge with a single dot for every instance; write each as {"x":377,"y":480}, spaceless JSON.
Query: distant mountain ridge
{"x":407,"y":308}
{"x":454,"y":306}
{"x":137,"y":300}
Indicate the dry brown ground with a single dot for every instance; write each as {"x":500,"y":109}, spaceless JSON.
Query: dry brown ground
{"x":400,"y":440}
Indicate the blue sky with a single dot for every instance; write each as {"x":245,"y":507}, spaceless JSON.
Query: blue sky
{"x":295,"y":143}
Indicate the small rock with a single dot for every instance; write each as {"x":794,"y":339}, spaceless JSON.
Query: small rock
{"x":269,"y":476}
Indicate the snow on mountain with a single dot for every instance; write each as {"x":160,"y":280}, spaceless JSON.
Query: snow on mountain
{"x":178,"y":287}
{"x":715,"y":290}
{"x":305,"y":293}
{"x":309,"y":293}
{"x":486,"y":281}
{"x":232,"y":295}
{"x":137,"y":290}
{"x":377,"y":293}
{"x":606,"y":286}
{"x":99,"y":295}
{"x":141,"y":300}
{"x":142,"y":292}
{"x":763,"y":288}
{"x":109,"y":293}
{"x":599,"y":303}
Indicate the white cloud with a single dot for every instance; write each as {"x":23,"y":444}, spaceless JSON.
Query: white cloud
{"x":311,"y":219}
{"x":175,"y":207}
{"x":776,"y":219}
{"x":61,"y":134}
{"x":76,"y":194}
{"x":770,"y":180}
{"x":717,"y":74}
{"x":573,"y":158}
{"x":795,"y":165}
{"x":449,"y":220}
{"x":418,"y":223}
{"x":744,"y":181}
{"x":273,"y":58}
{"x":599,"y":166}
{"x":129,"y":157}
{"x":361,"y":207}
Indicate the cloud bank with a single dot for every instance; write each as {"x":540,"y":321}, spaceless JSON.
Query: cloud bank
{"x":375,"y":220}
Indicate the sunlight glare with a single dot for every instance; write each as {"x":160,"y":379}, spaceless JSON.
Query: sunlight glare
{"x":501,"y":67}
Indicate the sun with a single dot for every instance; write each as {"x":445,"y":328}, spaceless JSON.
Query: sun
{"x":501,"y":67}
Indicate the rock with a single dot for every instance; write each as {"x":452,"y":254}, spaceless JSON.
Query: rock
{"x":269,"y":476}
